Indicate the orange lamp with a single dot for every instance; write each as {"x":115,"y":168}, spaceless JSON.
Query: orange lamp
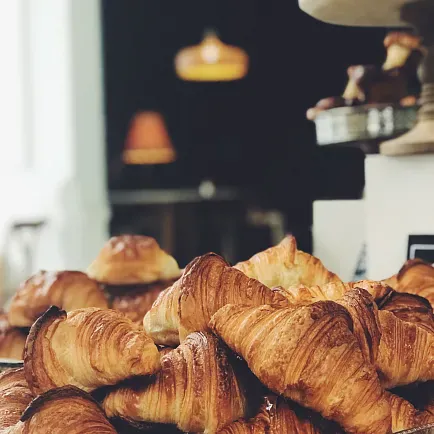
{"x":148,"y":141}
{"x":211,"y":60}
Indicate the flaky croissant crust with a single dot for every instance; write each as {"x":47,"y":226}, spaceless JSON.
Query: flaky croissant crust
{"x":406,"y":353}
{"x":284,"y":265}
{"x":64,"y":410}
{"x":15,"y":396}
{"x":131,"y":259}
{"x":207,"y":284}
{"x":88,"y":348}
{"x":196,"y":389}
{"x":405,"y":416}
{"x":293,"y":350}
{"x":275,"y":416}
{"x":12,"y":340}
{"x":415,"y":277}
{"x":68,"y":290}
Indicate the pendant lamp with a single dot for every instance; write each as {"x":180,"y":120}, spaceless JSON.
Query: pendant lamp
{"x":148,"y":141}
{"x":211,"y":60}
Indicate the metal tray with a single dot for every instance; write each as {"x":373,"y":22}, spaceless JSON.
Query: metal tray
{"x":373,"y":122}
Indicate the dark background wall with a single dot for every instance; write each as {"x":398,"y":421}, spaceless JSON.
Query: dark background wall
{"x":250,"y":133}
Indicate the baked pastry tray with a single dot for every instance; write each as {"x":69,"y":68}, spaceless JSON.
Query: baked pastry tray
{"x":12,"y":363}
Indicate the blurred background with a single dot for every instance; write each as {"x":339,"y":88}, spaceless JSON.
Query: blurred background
{"x":76,"y":80}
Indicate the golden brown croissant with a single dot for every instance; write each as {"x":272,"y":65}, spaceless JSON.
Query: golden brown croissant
{"x":196,"y":389}
{"x":277,"y":416}
{"x":410,"y":308}
{"x":309,"y":355}
{"x":406,"y":352}
{"x":207,"y":284}
{"x":334,"y":291}
{"x":68,"y":290}
{"x":12,"y":339}
{"x":87,"y":348}
{"x":415,"y":277}
{"x":15,"y":396}
{"x":405,"y":416}
{"x":66,"y":410}
{"x":284,"y":265}
{"x":131,"y":259}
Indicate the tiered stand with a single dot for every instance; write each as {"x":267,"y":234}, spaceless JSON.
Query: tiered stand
{"x":399,"y":167}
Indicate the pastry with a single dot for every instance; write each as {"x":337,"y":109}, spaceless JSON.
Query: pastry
{"x":309,"y":354}
{"x":68,"y":290}
{"x":135,"y":301}
{"x":277,"y":416}
{"x":415,"y":277}
{"x":66,"y":410}
{"x":196,"y":389}
{"x":133,"y":259}
{"x":286,"y":266}
{"x":405,"y":416}
{"x":410,"y":308}
{"x":15,"y":396}
{"x":368,"y":84}
{"x":366,"y":325}
{"x":403,"y":49}
{"x":207,"y":284}
{"x":402,"y":351}
{"x":12,"y":339}
{"x":134,"y":270}
{"x":334,"y":291}
{"x":406,"y":353}
{"x":88,"y":348}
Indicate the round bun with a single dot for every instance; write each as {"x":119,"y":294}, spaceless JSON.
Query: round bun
{"x":67,"y":290}
{"x":133,"y":259}
{"x":404,"y":39}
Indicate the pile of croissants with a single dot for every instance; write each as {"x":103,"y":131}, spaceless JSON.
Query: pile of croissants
{"x":275,"y":344}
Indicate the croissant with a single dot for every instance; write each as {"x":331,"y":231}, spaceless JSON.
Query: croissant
{"x":277,"y":416}
{"x":64,"y":410}
{"x":87,"y":348}
{"x":366,"y":326}
{"x":309,"y":355}
{"x":15,"y":396}
{"x":132,"y":259}
{"x":284,"y":265}
{"x":196,"y":389}
{"x":207,"y":284}
{"x":415,"y":277}
{"x":406,"y":352}
{"x":334,"y":291}
{"x":411,"y":308}
{"x":12,"y":339}
{"x":67,"y":290}
{"x":405,"y":416}
{"x":136,"y":302}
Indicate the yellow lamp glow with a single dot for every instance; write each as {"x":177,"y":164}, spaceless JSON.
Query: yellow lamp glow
{"x":148,"y":141}
{"x":211,"y":60}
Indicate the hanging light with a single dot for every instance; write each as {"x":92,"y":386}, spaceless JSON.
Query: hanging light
{"x":148,"y":141}
{"x":211,"y":60}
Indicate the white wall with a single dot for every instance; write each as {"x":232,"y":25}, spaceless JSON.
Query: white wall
{"x":399,"y":202}
{"x":338,"y":234}
{"x":55,"y":126}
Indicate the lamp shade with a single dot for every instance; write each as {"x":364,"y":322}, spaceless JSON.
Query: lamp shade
{"x":211,"y":60}
{"x":148,"y":141}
